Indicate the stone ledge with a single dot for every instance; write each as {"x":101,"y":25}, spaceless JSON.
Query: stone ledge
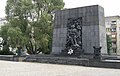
{"x":64,"y":60}
{"x":74,"y":61}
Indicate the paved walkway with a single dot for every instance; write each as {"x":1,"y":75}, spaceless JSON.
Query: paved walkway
{"x":37,"y":69}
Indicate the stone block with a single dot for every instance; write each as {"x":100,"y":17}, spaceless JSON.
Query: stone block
{"x":92,"y":27}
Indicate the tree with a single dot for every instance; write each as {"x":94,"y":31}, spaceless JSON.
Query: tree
{"x":30,"y":23}
{"x":3,"y":33}
{"x":109,"y":44}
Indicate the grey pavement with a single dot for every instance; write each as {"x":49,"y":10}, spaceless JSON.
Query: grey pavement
{"x":8,"y":68}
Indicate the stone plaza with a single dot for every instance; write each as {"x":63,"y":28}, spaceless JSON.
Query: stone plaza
{"x":37,"y":69}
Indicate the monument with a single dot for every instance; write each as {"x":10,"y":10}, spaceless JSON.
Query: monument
{"x":79,"y":29}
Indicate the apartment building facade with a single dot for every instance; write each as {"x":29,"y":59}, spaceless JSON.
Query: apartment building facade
{"x":113,"y":31}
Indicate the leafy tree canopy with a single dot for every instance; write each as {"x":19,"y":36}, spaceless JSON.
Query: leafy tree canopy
{"x":30,"y":24}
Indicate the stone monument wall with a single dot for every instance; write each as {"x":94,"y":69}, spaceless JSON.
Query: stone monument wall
{"x":93,"y":28}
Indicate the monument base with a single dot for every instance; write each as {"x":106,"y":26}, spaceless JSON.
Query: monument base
{"x":84,"y":61}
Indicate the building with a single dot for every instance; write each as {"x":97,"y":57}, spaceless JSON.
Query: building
{"x":113,"y":31}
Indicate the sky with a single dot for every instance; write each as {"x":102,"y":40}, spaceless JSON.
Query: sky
{"x":111,"y":7}
{"x":2,"y":8}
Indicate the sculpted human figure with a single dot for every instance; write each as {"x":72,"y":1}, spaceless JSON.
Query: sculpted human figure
{"x":74,"y":34}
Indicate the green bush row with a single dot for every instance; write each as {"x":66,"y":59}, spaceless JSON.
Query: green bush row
{"x":3,"y":52}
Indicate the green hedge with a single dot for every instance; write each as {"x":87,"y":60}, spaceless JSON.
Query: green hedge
{"x":6,"y":53}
